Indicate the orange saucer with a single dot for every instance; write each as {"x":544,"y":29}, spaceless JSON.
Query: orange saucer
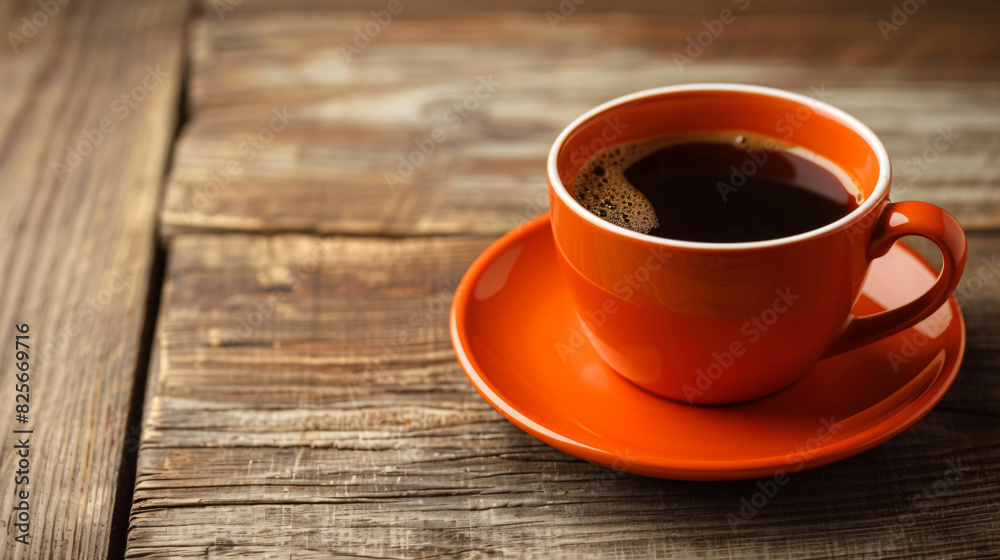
{"x":522,"y":346}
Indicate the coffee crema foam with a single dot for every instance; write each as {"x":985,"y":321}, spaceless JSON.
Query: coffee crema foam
{"x":601,"y":187}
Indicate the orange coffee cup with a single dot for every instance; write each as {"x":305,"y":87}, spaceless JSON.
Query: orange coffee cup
{"x":720,"y":323}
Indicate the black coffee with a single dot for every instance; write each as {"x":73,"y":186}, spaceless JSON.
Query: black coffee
{"x":718,"y":187}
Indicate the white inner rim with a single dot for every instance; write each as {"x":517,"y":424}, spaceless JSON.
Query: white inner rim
{"x":854,"y":124}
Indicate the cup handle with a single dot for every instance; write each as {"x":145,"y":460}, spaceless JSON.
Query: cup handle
{"x":899,"y":219}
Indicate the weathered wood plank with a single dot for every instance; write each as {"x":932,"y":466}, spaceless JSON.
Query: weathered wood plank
{"x":352,"y":122}
{"x":77,"y":224}
{"x":863,"y":10}
{"x":293,"y":55}
{"x":303,"y":408}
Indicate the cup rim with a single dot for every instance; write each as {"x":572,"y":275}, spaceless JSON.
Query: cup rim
{"x":878,"y":193}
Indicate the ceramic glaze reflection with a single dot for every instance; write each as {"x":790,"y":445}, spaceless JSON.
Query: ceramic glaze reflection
{"x":523,"y":351}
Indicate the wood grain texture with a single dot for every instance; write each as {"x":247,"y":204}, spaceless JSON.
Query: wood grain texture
{"x":355,"y":119}
{"x":304,"y":402}
{"x":76,"y":249}
{"x":863,"y":10}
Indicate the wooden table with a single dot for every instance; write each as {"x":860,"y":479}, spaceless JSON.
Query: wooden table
{"x":197,"y":225}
